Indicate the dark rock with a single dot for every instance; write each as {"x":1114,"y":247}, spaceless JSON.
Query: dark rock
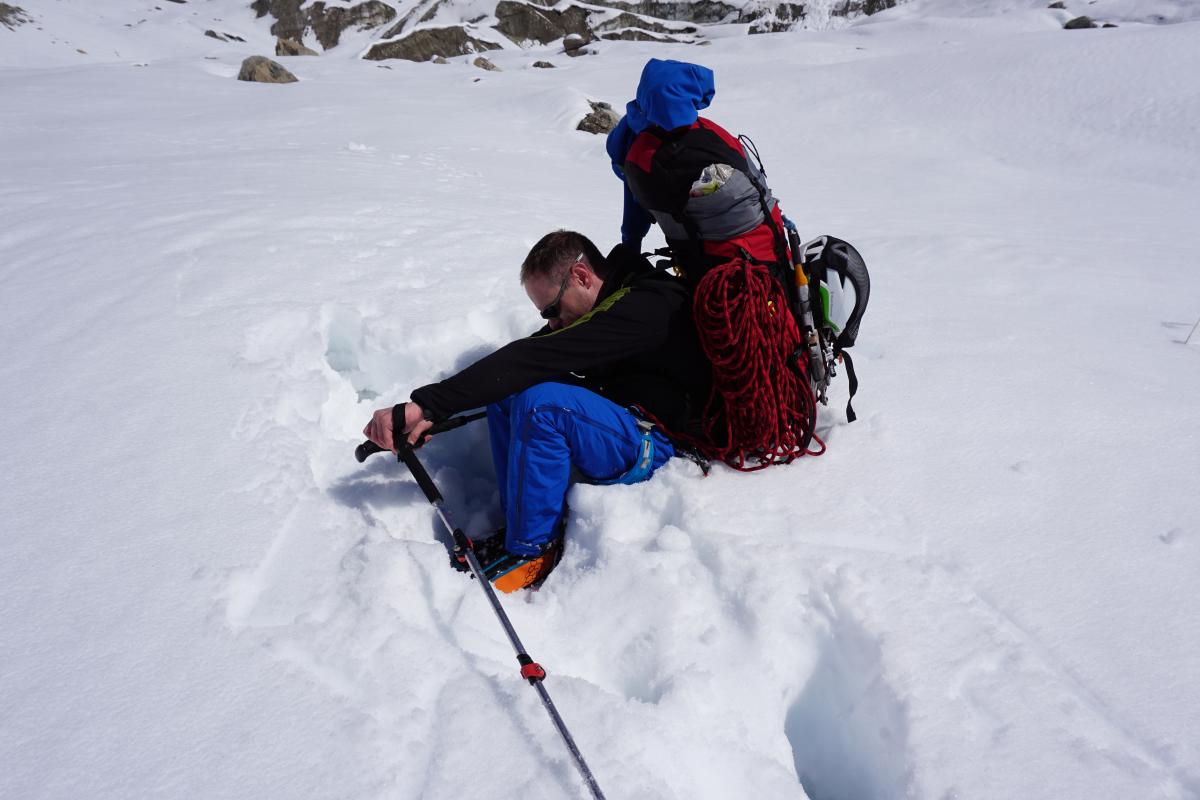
{"x":678,"y":10}
{"x":602,"y":119}
{"x":1057,"y":5}
{"x":327,"y":24}
{"x":573,"y":44}
{"x":224,"y":37}
{"x":523,"y":22}
{"x":865,"y":7}
{"x":290,"y":21}
{"x":399,"y":27}
{"x":291,"y":47}
{"x":11,"y":16}
{"x":1079,"y":23}
{"x":483,"y":63}
{"x":426,"y":43}
{"x":543,"y":65}
{"x":627,"y":20}
{"x":432,"y":11}
{"x":638,"y":35}
{"x":1109,"y":25}
{"x":263,"y":70}
{"x":782,"y":17}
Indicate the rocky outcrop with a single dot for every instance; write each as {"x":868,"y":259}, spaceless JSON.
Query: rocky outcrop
{"x":291,"y":47}
{"x":602,"y":119}
{"x":543,"y":65}
{"x":11,"y":16}
{"x":783,"y":17}
{"x":1079,"y":23}
{"x":261,"y":69}
{"x":639,"y":35}
{"x":853,"y":8}
{"x":423,"y":11}
{"x":424,"y":44}
{"x":524,"y":22}
{"x":627,"y":20}
{"x":702,"y":11}
{"x":530,"y":22}
{"x":290,"y":22}
{"x":483,"y":63}
{"x":326,"y":23}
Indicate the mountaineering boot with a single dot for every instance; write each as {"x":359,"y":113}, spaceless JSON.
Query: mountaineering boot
{"x":507,"y":571}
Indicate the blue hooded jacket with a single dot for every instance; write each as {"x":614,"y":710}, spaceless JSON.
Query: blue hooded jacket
{"x":669,"y":95}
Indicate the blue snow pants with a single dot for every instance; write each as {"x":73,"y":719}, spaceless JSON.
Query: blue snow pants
{"x":537,"y":436}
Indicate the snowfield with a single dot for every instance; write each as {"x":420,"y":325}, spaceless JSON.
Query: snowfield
{"x":987,"y":588}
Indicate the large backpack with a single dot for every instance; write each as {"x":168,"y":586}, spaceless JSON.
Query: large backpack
{"x":775,"y":317}
{"x":744,"y":260}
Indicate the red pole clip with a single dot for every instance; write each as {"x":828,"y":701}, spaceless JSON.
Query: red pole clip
{"x":532,"y":671}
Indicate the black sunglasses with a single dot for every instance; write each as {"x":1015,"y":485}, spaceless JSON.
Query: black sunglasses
{"x":553,"y":311}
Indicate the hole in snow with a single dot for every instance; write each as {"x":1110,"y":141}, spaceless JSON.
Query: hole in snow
{"x":848,"y":730}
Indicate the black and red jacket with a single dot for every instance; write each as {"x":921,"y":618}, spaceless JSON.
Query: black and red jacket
{"x":637,"y":346}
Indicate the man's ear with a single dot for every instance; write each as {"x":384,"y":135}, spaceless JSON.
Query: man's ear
{"x":583,"y":271}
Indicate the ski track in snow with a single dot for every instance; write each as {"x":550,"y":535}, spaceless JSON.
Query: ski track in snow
{"x":952,"y":603}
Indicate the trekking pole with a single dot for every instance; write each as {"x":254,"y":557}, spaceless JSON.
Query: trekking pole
{"x":530,"y":669}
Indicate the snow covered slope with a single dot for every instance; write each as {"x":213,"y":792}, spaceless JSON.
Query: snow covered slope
{"x":986,"y":589}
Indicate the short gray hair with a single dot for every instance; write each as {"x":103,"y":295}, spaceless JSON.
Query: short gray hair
{"x":555,"y":252}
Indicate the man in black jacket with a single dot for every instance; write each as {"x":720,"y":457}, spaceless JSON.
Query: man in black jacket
{"x":619,"y":335}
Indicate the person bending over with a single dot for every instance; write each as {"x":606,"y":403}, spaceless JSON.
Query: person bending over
{"x":618,"y":350}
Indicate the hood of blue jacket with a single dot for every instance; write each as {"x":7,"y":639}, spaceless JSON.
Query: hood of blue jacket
{"x":669,"y":95}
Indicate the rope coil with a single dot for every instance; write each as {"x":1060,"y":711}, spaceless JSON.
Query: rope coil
{"x":761,"y":410}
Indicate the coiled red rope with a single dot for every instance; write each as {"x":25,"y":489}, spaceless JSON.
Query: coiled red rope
{"x":761,"y":410}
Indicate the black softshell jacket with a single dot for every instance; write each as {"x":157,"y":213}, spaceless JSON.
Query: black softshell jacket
{"x":637,"y":345}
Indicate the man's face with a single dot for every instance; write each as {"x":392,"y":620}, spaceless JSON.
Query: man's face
{"x":579,"y":290}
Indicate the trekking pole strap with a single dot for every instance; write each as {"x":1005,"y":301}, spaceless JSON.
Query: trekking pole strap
{"x":850,"y":415}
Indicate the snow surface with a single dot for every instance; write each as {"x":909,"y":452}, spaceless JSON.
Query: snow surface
{"x":986,"y":588}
